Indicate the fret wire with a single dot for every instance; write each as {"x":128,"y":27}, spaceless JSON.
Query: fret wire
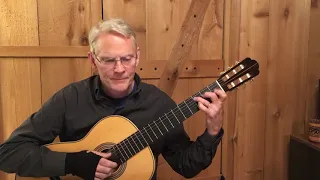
{"x":188,"y":107}
{"x":175,"y":116}
{"x":147,"y":134}
{"x":169,"y":120}
{"x":164,"y":125}
{"x":120,"y":152}
{"x":143,"y":138}
{"x":136,"y":145}
{"x":129,"y":146}
{"x":213,"y":85}
{"x":153,"y":131}
{"x":135,"y":142}
{"x":137,"y":137}
{"x":204,"y":91}
{"x":181,"y":112}
{"x":158,"y":127}
{"x":125,"y":144}
{"x":218,"y":84}
{"x":208,"y":88}
{"x":124,"y":150}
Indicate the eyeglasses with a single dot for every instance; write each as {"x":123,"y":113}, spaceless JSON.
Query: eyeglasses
{"x":125,"y":60}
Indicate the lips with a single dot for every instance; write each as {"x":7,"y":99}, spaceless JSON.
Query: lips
{"x":119,"y":79}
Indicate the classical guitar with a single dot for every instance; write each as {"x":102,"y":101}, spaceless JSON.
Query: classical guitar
{"x":130,"y":146}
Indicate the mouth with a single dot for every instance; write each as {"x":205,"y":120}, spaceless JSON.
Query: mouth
{"x":119,"y":79}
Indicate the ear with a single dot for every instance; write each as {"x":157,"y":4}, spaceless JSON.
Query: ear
{"x":138,"y":56}
{"x":92,"y":61}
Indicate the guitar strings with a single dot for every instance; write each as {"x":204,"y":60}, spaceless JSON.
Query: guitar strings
{"x":157,"y":124}
{"x":159,"y":120}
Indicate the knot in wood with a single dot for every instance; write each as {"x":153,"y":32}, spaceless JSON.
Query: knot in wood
{"x":277,"y":114}
{"x":81,"y":8}
{"x":286,"y":12}
{"x":84,"y":41}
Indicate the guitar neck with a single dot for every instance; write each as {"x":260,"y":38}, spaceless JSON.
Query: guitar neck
{"x":158,"y":128}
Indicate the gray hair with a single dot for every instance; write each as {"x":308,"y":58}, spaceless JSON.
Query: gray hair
{"x":110,"y":25}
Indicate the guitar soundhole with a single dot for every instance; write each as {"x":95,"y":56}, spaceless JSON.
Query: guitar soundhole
{"x":120,"y":170}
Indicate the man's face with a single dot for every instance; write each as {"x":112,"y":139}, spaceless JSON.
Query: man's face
{"x":116,"y":76}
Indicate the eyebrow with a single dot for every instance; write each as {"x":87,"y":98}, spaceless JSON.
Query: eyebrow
{"x":107,"y":56}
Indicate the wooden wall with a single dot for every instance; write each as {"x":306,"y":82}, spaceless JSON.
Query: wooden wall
{"x":258,"y":118}
{"x":261,"y":117}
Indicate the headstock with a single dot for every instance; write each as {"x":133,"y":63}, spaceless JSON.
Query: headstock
{"x":240,"y":73}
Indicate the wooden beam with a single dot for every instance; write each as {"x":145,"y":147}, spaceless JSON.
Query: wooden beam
{"x":189,"y":31}
{"x":190,"y":69}
{"x":44,"y":51}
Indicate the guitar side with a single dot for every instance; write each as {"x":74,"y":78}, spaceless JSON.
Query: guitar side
{"x":108,"y":131}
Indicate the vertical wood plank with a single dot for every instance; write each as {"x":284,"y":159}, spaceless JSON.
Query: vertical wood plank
{"x":64,"y":23}
{"x":285,"y":112}
{"x":313,"y":89}
{"x":251,"y":99}
{"x":230,"y":55}
{"x":134,"y":13}
{"x":20,"y":92}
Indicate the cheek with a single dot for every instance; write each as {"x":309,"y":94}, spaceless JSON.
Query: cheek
{"x":103,"y":70}
{"x":131,"y":71}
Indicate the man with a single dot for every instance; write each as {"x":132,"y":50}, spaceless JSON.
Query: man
{"x":117,"y":89}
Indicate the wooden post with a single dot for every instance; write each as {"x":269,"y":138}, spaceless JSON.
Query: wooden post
{"x":189,"y":31}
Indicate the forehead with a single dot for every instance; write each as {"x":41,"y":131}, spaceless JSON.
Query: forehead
{"x":114,"y":44}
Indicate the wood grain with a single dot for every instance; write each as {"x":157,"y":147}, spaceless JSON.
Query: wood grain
{"x":250,"y":119}
{"x":20,"y":90}
{"x":191,"y":69}
{"x":313,"y":64}
{"x":74,"y":21}
{"x":134,"y":13}
{"x":289,"y":24}
{"x":230,"y":55}
{"x":181,"y":49}
{"x":257,"y":118}
{"x":44,"y":51}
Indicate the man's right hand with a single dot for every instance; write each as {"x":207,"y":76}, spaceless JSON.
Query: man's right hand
{"x":105,"y":167}
{"x":89,"y":165}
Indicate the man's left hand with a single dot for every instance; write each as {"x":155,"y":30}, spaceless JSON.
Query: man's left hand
{"x":212,"y":110}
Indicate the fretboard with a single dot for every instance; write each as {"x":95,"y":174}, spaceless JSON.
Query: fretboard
{"x":155,"y":130}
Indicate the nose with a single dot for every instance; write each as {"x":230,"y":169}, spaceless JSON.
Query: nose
{"x":118,"y":67}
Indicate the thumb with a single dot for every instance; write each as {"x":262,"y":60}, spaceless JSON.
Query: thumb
{"x":105,"y":155}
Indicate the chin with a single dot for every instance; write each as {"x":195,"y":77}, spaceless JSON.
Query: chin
{"x":121,"y":87}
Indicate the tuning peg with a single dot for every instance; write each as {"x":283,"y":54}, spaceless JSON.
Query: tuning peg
{"x":222,"y":72}
{"x":237,"y":62}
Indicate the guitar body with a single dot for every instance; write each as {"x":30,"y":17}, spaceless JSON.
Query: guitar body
{"x":107,"y":132}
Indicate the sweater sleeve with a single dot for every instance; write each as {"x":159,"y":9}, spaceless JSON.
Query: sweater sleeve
{"x":24,"y":152}
{"x":186,"y":157}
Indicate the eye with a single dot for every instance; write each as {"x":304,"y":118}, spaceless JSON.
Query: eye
{"x":127,"y":58}
{"x":107,"y":59}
